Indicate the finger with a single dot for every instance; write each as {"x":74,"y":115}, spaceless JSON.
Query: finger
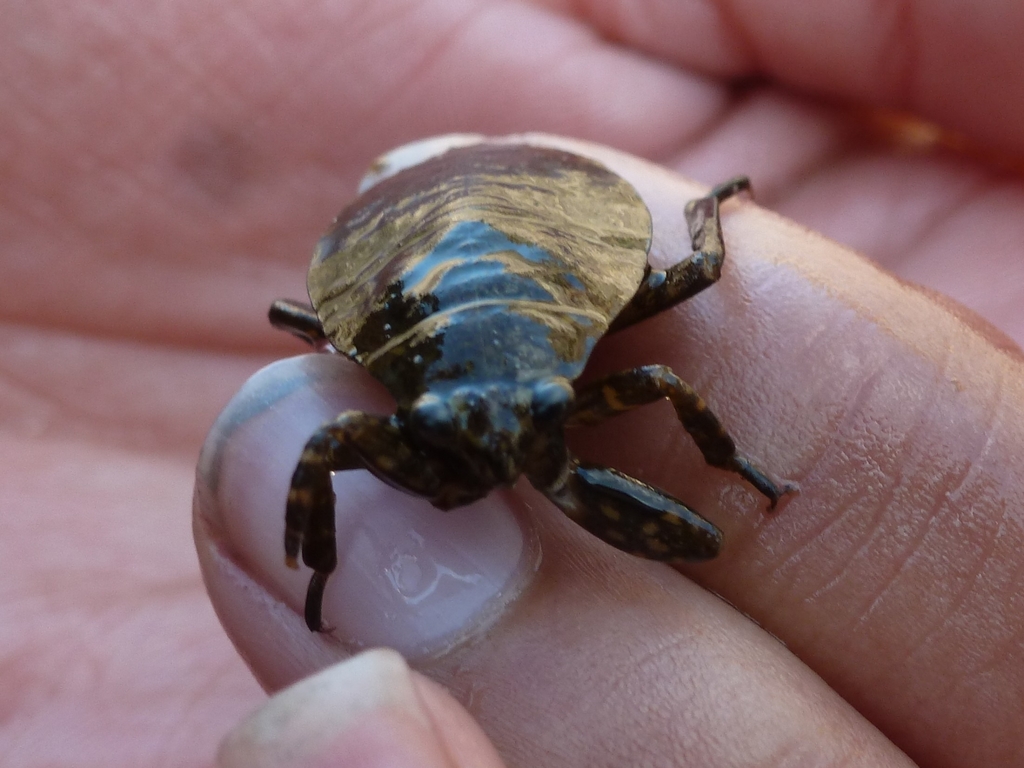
{"x":892,"y":55}
{"x":368,"y":711}
{"x":586,"y":658}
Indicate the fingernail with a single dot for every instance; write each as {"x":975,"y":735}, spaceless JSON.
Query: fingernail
{"x":409,"y":576}
{"x":363,"y":712}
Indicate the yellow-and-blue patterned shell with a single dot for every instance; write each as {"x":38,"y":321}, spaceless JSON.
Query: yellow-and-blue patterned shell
{"x":489,"y":228}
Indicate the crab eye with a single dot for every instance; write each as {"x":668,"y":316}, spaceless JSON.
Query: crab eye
{"x":551,"y":400}
{"x":430,"y":415}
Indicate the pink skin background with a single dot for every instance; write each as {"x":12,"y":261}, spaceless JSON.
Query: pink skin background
{"x":164,"y":173}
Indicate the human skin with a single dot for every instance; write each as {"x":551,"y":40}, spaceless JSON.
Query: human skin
{"x":164,"y":179}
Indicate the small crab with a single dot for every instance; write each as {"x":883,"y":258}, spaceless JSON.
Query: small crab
{"x":474,"y":285}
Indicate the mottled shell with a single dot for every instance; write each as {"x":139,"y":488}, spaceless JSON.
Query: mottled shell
{"x":539,"y":233}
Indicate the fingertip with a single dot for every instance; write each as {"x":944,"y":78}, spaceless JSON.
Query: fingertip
{"x":408,"y":577}
{"x":370,"y":711}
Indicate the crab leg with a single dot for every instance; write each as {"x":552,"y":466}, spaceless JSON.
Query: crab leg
{"x":621,"y":392}
{"x":664,"y":288}
{"x":354,"y":440}
{"x":633,"y":516}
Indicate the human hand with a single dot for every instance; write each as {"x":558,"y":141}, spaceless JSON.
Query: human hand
{"x":166,"y":178}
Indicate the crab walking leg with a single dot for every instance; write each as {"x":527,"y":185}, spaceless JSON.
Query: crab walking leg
{"x":354,"y":440}
{"x":633,"y":516}
{"x":621,"y":392}
{"x":299,"y":319}
{"x":664,"y":288}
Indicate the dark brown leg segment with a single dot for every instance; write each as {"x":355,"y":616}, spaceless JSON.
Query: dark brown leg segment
{"x":633,"y":516}
{"x":624,"y":391}
{"x":662,"y":289}
{"x":354,"y":440}
{"x":298,"y":319}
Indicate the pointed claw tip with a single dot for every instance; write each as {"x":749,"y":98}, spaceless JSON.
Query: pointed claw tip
{"x":788,"y":489}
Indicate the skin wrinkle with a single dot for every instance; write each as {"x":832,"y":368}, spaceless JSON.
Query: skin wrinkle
{"x":1009,"y":650}
{"x":615,"y":680}
{"x":604,"y":18}
{"x":895,"y":41}
{"x":1000,"y":298}
{"x":900,"y":62}
{"x":915,"y":647}
{"x":743,"y":39}
{"x":923,"y":236}
{"x":978,"y":571}
{"x":861,"y":617}
{"x":973,"y":198}
{"x":990,"y":430}
{"x":863,"y":543}
{"x":778,"y":198}
{"x":875,"y":533}
{"x":955,"y":678}
{"x":729,"y":108}
{"x":763,"y":537}
{"x":411,"y":87}
{"x":843,"y":139}
{"x":792,"y":559}
{"x":958,"y":685}
{"x":40,"y":209}
{"x":268,"y":608}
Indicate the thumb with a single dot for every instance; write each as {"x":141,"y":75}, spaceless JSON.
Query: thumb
{"x":366,"y":712}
